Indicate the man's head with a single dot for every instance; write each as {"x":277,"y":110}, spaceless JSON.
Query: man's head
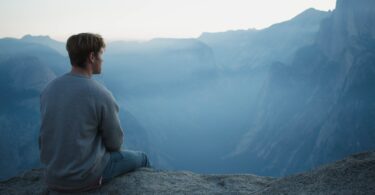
{"x":85,"y":51}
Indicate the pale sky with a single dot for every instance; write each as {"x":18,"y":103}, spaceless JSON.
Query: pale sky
{"x":145,"y":19}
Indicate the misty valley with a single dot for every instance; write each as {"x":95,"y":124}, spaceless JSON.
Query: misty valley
{"x":271,"y":102}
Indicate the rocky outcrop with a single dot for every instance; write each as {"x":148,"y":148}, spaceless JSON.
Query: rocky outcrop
{"x":150,"y":181}
{"x":353,"y":175}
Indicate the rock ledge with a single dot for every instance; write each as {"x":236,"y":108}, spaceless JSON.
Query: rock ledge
{"x":353,"y":175}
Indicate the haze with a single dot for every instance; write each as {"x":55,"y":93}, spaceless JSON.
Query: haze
{"x":145,"y":19}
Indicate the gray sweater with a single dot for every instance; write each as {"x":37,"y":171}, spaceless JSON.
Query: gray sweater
{"x":79,"y":127}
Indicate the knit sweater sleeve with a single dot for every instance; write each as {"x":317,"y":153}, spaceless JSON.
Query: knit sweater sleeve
{"x":109,"y":125}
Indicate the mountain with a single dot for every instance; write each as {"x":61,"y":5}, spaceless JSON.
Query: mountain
{"x":352,"y":175}
{"x":21,"y":81}
{"x":352,"y":21}
{"x":318,"y":108}
{"x":161,"y":63}
{"x":25,"y":68}
{"x":46,"y":41}
{"x":14,"y":48}
{"x":246,"y":49}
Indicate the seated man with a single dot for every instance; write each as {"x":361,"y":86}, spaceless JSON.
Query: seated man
{"x":80,"y":134}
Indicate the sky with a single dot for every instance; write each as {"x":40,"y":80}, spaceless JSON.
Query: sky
{"x":145,"y":19}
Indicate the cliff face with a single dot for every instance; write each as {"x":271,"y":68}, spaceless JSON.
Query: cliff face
{"x":320,"y":107}
{"x":353,"y":175}
{"x":351,"y":20}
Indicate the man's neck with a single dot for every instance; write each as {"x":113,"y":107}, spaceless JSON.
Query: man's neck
{"x":78,"y":70}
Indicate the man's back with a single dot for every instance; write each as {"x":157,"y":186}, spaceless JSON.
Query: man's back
{"x":78,"y":129}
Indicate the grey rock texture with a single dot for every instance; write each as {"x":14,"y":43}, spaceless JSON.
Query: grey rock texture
{"x":353,"y":175}
{"x":150,"y":181}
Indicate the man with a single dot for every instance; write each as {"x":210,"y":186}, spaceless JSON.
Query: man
{"x":80,"y":135}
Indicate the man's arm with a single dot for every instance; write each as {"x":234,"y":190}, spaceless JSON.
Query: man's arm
{"x":110,"y":126}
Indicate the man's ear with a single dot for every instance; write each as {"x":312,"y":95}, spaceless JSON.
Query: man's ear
{"x":92,"y":56}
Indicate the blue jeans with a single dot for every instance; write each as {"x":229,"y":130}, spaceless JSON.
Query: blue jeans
{"x":123,"y":162}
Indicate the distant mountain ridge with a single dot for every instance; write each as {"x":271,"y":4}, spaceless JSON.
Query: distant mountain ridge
{"x":47,"y":41}
{"x":242,"y":50}
{"x":162,"y":63}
